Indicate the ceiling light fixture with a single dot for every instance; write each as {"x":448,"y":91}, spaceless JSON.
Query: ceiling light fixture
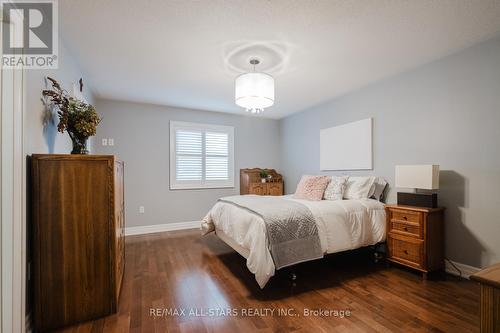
{"x":254,"y":91}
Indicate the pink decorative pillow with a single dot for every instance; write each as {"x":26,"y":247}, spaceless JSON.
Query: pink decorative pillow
{"x":312,"y":187}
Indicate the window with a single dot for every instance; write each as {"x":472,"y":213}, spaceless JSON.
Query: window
{"x":201,"y":156}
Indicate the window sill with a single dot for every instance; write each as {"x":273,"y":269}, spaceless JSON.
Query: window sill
{"x":197,"y":187}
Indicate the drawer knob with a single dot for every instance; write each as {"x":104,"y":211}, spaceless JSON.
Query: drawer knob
{"x":405,"y":218}
{"x":405,"y":252}
{"x":406,"y":228}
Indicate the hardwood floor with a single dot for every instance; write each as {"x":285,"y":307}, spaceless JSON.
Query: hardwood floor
{"x":186,"y":271}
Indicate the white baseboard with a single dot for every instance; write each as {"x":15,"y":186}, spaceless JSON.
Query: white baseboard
{"x":151,"y":229}
{"x":467,"y":270}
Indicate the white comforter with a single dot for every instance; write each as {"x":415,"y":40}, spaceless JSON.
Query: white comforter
{"x":342,"y":225}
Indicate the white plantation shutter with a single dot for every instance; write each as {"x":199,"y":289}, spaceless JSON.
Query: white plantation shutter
{"x":189,"y":155}
{"x":217,"y":156}
{"x":201,"y":156}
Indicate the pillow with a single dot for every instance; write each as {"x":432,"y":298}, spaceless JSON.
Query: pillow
{"x":335,"y":190}
{"x":377,"y":189}
{"x":372,"y":189}
{"x":312,"y":187}
{"x":358,"y":187}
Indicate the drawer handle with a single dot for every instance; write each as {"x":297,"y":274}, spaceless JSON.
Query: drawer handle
{"x":405,"y":218}
{"x":405,"y":251}
{"x":406,"y":228}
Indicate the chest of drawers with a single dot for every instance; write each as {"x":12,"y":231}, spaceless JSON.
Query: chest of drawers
{"x":78,"y":246}
{"x":250,"y":182}
{"x":415,"y":237}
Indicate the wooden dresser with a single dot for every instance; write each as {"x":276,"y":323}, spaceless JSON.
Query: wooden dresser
{"x":489,"y":279}
{"x":250,"y":182}
{"x":78,"y":237}
{"x":415,"y":237}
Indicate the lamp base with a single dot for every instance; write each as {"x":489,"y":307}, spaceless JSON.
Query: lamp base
{"x":427,"y":200}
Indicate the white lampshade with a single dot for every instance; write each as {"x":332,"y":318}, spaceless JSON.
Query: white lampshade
{"x":254,"y":90}
{"x":418,"y":176}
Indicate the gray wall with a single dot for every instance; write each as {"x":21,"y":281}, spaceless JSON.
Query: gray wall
{"x":141,"y":138}
{"x":447,"y":113}
{"x":40,"y":127}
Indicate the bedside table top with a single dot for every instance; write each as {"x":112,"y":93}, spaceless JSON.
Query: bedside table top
{"x":417,"y":209}
{"x":489,"y":276}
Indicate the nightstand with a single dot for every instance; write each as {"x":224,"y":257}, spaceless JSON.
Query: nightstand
{"x":415,"y":237}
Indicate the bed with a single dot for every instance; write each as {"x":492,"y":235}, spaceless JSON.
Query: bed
{"x":341,"y":225}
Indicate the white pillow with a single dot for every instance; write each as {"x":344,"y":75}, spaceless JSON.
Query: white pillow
{"x":335,"y":189}
{"x":358,"y":187}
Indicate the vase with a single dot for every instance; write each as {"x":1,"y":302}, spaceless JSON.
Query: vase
{"x":79,"y":145}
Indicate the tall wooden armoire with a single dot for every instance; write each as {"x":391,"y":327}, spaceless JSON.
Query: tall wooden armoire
{"x":78,"y":224}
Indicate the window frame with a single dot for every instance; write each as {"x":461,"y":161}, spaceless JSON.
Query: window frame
{"x":203,"y":183}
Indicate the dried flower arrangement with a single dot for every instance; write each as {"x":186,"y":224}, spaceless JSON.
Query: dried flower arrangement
{"x":76,"y":117}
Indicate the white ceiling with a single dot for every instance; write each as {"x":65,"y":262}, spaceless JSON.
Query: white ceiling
{"x":187,"y":53}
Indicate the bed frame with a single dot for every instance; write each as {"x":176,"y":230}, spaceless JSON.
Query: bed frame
{"x":377,"y":254}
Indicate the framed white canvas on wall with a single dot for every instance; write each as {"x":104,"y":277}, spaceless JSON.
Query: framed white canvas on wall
{"x":347,"y":147}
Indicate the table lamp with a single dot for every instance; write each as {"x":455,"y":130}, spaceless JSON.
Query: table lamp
{"x":424,"y":179}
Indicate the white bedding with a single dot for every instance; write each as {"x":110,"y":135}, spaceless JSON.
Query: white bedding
{"x":342,"y":225}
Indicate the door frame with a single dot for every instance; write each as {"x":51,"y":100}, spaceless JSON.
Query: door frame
{"x":12,"y":199}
